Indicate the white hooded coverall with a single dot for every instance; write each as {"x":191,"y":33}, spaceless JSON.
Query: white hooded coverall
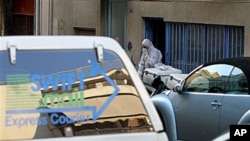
{"x":149,"y":57}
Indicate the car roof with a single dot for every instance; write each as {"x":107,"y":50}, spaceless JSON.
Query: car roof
{"x":240,"y":62}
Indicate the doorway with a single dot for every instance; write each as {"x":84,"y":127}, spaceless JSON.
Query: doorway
{"x":19,"y":17}
{"x":155,"y":31}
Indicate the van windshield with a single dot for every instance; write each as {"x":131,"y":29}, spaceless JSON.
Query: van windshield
{"x":48,"y":93}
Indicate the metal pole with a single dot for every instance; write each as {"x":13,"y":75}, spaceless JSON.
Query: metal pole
{"x":50,"y":20}
{"x":37,"y":17}
{"x":2,"y":17}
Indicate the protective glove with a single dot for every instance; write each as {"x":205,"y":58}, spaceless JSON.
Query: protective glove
{"x":145,"y":51}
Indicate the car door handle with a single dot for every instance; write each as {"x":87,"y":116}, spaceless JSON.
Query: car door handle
{"x":215,"y":104}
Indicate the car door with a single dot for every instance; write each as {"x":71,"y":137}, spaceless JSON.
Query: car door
{"x":236,"y":99}
{"x":198,"y":106}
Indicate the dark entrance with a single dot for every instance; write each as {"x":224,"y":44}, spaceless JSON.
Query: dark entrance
{"x":19,"y":17}
{"x":155,"y":31}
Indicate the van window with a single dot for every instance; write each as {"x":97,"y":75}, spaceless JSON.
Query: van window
{"x":60,"y":93}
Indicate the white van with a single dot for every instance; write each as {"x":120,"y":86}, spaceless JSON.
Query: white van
{"x":72,"y":88}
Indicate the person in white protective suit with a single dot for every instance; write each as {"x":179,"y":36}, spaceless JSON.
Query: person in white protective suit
{"x":150,"y":56}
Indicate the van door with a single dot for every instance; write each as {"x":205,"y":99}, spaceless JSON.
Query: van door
{"x":56,"y":88}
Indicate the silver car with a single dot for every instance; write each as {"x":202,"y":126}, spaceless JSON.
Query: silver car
{"x":210,"y":99}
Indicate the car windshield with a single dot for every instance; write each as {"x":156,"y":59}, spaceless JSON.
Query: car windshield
{"x":48,"y":93}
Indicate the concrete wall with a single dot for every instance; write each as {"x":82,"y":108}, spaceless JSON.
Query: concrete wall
{"x":62,"y":17}
{"x":206,"y":12}
{"x":86,"y":14}
{"x":59,"y":17}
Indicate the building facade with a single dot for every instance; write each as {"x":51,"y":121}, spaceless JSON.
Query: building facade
{"x":188,"y":33}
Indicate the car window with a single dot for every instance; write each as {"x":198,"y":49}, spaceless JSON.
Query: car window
{"x":59,"y":93}
{"x":217,"y":78}
{"x":237,"y":83}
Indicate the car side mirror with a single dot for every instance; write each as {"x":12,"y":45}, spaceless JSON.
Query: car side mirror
{"x":177,"y":88}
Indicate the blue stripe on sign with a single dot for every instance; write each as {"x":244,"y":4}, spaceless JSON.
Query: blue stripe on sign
{"x":47,"y":110}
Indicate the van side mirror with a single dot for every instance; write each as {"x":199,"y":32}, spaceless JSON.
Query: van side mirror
{"x":68,"y":131}
{"x":177,"y":88}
